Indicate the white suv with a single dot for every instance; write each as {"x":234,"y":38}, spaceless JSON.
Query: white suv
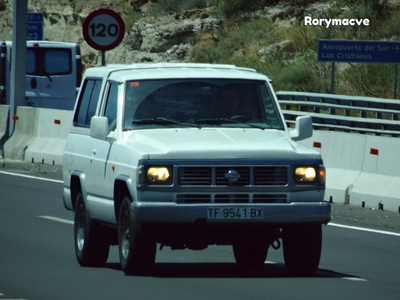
{"x":190,"y":155}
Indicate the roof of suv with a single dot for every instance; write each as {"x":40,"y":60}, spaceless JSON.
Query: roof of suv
{"x":173,"y":70}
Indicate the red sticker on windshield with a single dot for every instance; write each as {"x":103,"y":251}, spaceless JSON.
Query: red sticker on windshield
{"x":135,"y":84}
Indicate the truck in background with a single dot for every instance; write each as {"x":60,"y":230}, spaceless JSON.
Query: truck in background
{"x":53,"y":73}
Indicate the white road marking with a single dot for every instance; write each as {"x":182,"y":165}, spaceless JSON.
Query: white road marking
{"x":70,"y":222}
{"x":31,"y":177}
{"x":324,"y":273}
{"x":57,"y":220}
{"x":365,"y":229}
{"x":1,"y":295}
{"x":354,"y":278}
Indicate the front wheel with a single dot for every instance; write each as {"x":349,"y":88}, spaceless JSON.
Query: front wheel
{"x":302,"y":249}
{"x":137,"y":251}
{"x":91,"y":247}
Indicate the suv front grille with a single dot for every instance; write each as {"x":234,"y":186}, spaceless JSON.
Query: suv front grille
{"x":194,"y":176}
{"x":270,"y":176}
{"x":230,"y":198}
{"x":207,"y":176}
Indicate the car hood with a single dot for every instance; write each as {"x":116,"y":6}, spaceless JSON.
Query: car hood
{"x":226,"y":143}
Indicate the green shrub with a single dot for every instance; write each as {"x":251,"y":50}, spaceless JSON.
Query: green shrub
{"x":302,"y":79}
{"x":233,"y":7}
{"x":373,"y":80}
{"x":165,"y":6}
{"x":301,"y":2}
{"x":371,"y":9}
{"x":303,"y":73}
{"x":234,"y":38}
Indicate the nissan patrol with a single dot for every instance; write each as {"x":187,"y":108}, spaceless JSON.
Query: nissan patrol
{"x":187,"y":156}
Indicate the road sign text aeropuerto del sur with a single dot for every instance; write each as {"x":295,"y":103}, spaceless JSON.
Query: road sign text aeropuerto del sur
{"x":358,"y":51}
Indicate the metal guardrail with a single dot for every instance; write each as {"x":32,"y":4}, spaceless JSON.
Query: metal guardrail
{"x":363,"y":115}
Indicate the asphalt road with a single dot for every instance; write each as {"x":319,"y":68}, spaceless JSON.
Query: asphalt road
{"x":37,"y":260}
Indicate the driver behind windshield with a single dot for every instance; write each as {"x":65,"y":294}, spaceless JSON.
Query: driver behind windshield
{"x":230,"y":104}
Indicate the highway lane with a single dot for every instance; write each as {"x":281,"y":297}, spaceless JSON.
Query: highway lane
{"x":37,"y":261}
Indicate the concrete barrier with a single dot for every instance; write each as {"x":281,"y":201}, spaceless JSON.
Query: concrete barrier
{"x":378,"y":185}
{"x":4,"y":111}
{"x":26,"y":122}
{"x":362,"y":170}
{"x":39,"y":135}
{"x":50,"y":137}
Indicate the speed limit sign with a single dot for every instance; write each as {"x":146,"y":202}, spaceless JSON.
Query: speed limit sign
{"x":103,"y":29}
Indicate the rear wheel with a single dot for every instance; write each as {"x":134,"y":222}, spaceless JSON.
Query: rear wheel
{"x":137,"y":251}
{"x":91,"y":246}
{"x":250,"y":254}
{"x":302,"y":249}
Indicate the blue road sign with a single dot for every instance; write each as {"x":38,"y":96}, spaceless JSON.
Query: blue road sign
{"x":358,"y":51}
{"x":35,"y":26}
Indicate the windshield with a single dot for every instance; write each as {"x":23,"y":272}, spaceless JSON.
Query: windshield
{"x":200,"y":103}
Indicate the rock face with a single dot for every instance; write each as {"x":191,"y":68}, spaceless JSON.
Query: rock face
{"x":166,"y":38}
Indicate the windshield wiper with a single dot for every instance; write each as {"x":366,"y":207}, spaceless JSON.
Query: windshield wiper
{"x":226,"y":120}
{"x":159,"y":120}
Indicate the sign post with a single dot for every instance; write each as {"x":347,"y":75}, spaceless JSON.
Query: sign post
{"x":359,"y":52}
{"x":103,"y":29}
{"x":18,"y":63}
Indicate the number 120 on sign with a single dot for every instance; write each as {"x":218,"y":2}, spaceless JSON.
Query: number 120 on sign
{"x":102,"y":30}
{"x":252,"y":213}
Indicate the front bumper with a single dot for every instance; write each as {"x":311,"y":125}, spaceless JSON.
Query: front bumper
{"x":273,"y":214}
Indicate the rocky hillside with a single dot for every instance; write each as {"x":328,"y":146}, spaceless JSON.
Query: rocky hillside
{"x":271,"y":38}
{"x":167,"y":37}
{"x":147,"y":39}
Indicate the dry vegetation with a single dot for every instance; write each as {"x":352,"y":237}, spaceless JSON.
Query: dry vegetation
{"x":296,"y":67}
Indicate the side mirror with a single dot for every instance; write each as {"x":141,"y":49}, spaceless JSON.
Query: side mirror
{"x":99,"y":128}
{"x":303,"y":129}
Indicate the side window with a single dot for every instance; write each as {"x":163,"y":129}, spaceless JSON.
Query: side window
{"x":87,"y":102}
{"x":111,"y":104}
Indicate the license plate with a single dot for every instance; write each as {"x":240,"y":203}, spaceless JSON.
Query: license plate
{"x":234,"y":213}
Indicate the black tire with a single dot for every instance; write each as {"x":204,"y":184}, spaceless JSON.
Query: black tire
{"x":91,"y":247}
{"x":137,"y":251}
{"x":250,"y":254}
{"x":302,"y":247}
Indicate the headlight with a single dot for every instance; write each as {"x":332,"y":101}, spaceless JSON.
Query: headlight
{"x":158,"y":175}
{"x":305,"y":174}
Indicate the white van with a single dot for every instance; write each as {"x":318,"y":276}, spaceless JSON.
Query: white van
{"x":53,"y":74}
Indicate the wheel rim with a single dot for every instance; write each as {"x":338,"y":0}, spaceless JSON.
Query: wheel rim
{"x":80,"y":231}
{"x":125,"y":236}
